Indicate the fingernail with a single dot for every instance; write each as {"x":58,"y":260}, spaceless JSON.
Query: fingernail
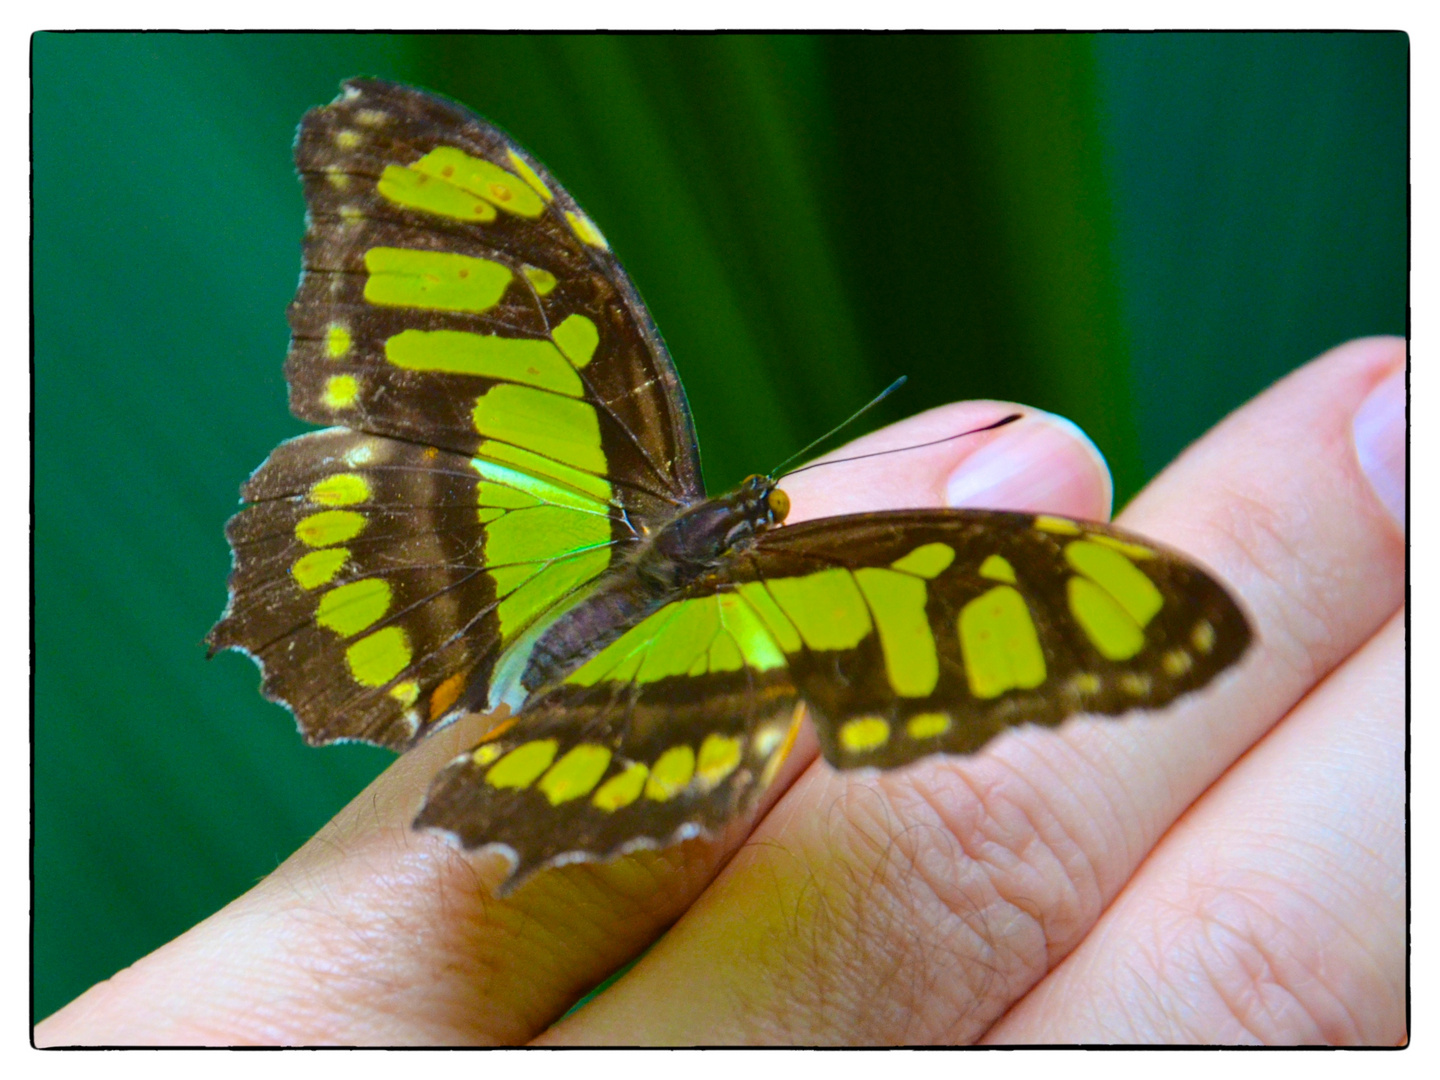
{"x":1042,"y":463}
{"x":1379,"y":430}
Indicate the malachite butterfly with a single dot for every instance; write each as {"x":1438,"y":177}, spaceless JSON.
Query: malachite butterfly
{"x":506,"y":515}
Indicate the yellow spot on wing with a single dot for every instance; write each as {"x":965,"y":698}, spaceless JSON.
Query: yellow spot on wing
{"x":763,"y":604}
{"x":348,"y":609}
{"x":376,"y":659}
{"x":407,"y":187}
{"x":537,"y":466}
{"x":1203,"y":637}
{"x":998,"y":568}
{"x":340,"y":391}
{"x":826,"y":607}
{"x":897,"y":604}
{"x":1176,"y":662}
{"x":622,"y":789}
{"x":406,"y":692}
{"x":347,"y":140}
{"x":520,"y":767}
{"x":1119,"y":577}
{"x":484,"y":754}
{"x":560,"y":428}
{"x":530,"y":176}
{"x":747,"y":629}
{"x":670,"y":774}
{"x":927,"y":725}
{"x":337,"y":341}
{"x":1085,"y":683}
{"x":1115,"y":635}
{"x":318,"y":567}
{"x":1134,"y":551}
{"x":577,"y":338}
{"x":534,"y":362}
{"x":864,"y":733}
{"x":1136,"y":685}
{"x":329,"y":527}
{"x":434,"y":280}
{"x":1062,"y":526}
{"x":342,"y":489}
{"x":371,"y":117}
{"x":999,"y":643}
{"x":575,"y":774}
{"x":719,"y":757}
{"x":454,"y":168}
{"x":927,"y":560}
{"x":543,"y":281}
{"x":586,"y":230}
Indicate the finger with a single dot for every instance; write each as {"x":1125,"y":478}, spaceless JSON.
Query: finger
{"x":1041,"y":462}
{"x":920,"y":905}
{"x":373,"y":934}
{"x":1275,"y":911}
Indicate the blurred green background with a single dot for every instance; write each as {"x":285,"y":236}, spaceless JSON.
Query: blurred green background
{"x":1137,"y":231}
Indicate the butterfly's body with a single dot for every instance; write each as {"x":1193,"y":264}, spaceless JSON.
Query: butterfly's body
{"x":507,"y":511}
{"x":658,"y":571}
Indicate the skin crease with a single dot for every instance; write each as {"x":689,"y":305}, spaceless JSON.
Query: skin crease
{"x":1230,"y":870}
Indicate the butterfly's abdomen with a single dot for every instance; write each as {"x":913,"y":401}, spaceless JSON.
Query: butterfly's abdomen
{"x":693,"y":544}
{"x":593,"y":623}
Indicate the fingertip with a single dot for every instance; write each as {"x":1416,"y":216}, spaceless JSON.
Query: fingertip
{"x":1378,"y":429}
{"x":1043,"y":463}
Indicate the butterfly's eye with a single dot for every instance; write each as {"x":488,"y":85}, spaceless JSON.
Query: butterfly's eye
{"x":779,"y":504}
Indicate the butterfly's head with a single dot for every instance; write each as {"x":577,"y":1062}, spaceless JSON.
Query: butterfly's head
{"x":765,"y":504}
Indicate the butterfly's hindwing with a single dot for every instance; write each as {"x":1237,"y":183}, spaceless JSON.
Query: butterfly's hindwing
{"x":592,"y":772}
{"x":362,"y":587}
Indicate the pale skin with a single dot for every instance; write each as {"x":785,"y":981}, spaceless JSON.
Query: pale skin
{"x":1229,"y":870}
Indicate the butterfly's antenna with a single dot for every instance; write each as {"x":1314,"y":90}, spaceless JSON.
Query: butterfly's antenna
{"x":779,"y":470}
{"x":901,"y":449}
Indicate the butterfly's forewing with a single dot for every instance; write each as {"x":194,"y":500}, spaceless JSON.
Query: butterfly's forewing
{"x":449,"y":280}
{"x":510,"y":421}
{"x":917,"y":632}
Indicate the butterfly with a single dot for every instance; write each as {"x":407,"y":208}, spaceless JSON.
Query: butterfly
{"x":506,"y":515}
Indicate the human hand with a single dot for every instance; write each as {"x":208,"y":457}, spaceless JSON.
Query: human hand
{"x":1228,"y":870}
